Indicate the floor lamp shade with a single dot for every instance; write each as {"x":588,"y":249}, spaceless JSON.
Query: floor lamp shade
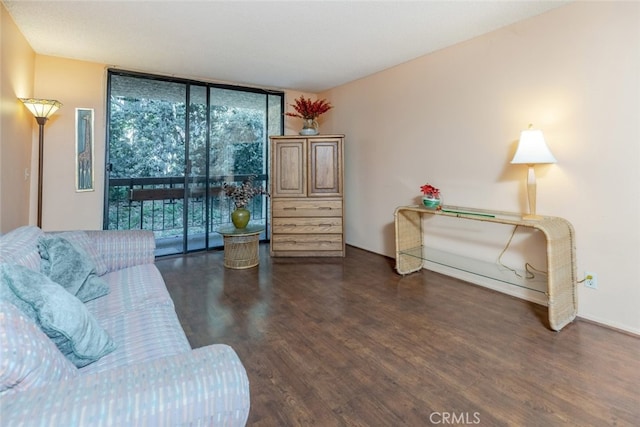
{"x":532,"y":149}
{"x":42,"y":109}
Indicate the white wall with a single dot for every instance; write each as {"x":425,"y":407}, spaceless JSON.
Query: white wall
{"x":16,"y":124}
{"x":76,"y":84}
{"x":452,"y":118}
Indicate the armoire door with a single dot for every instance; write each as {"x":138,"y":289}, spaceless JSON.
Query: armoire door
{"x":289,"y":168}
{"x":325,"y":160}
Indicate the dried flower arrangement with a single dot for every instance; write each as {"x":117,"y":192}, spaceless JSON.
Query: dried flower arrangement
{"x":307,"y":109}
{"x":243,"y":193}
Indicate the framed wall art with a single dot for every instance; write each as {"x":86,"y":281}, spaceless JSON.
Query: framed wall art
{"x":84,"y":149}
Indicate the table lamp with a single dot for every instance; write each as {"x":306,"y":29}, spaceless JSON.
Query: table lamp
{"x":532,"y":150}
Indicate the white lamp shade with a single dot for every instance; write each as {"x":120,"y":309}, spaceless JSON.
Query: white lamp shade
{"x":532,"y":149}
{"x":41,"y":107}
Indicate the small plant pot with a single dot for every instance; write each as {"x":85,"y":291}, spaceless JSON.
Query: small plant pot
{"x":431,"y":202}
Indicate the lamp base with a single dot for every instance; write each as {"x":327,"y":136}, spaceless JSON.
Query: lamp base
{"x":530,"y":217}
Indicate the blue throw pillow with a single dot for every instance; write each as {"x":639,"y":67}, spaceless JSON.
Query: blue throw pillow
{"x":28,"y":357}
{"x":81,"y":239}
{"x":71,"y":267}
{"x":60,"y":315}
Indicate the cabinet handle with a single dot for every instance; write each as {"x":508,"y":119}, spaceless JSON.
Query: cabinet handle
{"x":289,"y":208}
{"x":325,"y":208}
{"x":290,"y":225}
{"x":325,"y":225}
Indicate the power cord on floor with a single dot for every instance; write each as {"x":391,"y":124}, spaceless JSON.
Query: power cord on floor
{"x":528,"y":268}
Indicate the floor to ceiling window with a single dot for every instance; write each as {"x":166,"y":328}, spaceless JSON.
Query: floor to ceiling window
{"x":171,"y":144}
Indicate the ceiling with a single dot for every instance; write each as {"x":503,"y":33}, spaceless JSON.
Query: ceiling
{"x":308,"y":46}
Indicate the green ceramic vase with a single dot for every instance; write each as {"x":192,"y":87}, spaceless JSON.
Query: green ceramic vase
{"x":240,"y":217}
{"x":431,"y":202}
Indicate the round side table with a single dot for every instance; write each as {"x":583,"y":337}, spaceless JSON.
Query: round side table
{"x":241,"y":245}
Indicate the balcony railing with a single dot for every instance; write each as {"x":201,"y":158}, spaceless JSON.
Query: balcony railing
{"x":158,"y":204}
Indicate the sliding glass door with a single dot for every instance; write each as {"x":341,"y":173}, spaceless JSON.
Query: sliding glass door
{"x":197,"y":185}
{"x":238,"y":136}
{"x":171,"y":146}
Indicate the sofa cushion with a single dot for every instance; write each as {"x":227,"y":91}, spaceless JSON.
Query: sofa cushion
{"x":131,"y":289}
{"x":28,"y":358}
{"x":59,"y":314}
{"x":19,"y":246}
{"x":142,"y":335}
{"x":124,"y":248}
{"x":71,"y":267}
{"x":82,"y":240}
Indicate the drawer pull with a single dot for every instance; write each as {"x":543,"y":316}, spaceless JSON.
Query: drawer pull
{"x":325,"y":225}
{"x":289,"y":208}
{"x":325,"y":208}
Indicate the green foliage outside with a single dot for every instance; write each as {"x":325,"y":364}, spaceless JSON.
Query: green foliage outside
{"x":147,"y":140}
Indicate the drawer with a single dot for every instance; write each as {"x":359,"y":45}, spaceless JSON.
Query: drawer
{"x":304,"y":225}
{"x":306,"y":208}
{"x":306,"y":242}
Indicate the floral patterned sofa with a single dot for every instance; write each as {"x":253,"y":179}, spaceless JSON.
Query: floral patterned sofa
{"x":144,"y":371}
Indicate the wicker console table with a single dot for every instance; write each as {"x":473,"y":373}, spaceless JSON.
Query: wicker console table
{"x":561,"y":261}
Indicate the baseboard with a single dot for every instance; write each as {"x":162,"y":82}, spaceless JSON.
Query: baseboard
{"x":614,"y":327}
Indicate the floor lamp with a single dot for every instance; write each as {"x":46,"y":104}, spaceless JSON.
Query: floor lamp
{"x":42,"y":109}
{"x":532,"y":150}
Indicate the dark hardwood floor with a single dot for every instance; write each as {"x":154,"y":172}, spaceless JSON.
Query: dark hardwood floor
{"x":348,"y":342}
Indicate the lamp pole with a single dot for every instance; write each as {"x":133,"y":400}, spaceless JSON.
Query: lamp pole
{"x":42,"y":109}
{"x":41,"y":121}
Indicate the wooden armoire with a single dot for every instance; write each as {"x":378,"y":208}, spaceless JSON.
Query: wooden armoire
{"x":307,"y":206}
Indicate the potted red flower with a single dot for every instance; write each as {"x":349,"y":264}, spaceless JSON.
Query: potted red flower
{"x":430,"y":196}
{"x":309,"y":111}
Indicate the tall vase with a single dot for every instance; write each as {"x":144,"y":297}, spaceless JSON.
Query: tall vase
{"x":240,"y":218}
{"x":309,"y":127}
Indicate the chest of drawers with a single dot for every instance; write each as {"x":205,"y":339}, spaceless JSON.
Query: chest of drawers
{"x":307,"y":215}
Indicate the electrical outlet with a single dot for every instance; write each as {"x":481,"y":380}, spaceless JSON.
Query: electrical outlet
{"x":590,"y":280}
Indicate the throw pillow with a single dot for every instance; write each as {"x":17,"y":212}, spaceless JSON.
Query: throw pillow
{"x":81,"y":240}
{"x":71,"y":267}
{"x":59,"y":314}
{"x":27,"y":357}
